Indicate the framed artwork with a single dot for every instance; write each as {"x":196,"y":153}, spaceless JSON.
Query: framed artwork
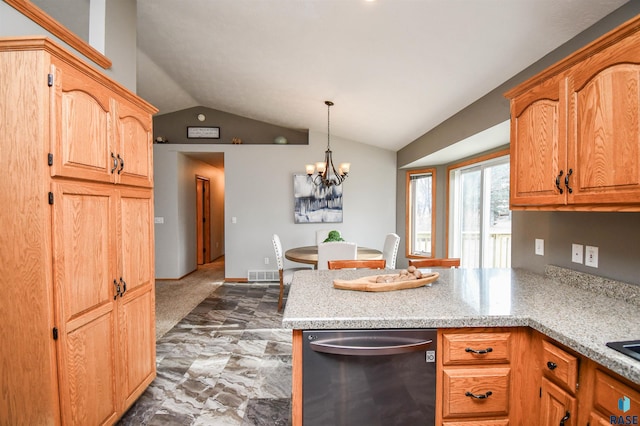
{"x":316,"y":204}
{"x":203,"y":132}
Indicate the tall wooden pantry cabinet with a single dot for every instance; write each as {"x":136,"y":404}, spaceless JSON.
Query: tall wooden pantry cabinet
{"x":77,"y":301}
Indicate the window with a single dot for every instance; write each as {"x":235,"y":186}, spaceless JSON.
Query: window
{"x":479,"y":215}
{"x":421,"y":196}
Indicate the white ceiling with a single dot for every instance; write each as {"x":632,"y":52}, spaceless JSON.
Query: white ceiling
{"x":394,"y":68}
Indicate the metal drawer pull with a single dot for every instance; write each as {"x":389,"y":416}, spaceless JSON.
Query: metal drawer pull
{"x":565,"y":418}
{"x":480,"y":352}
{"x":121,"y":164}
{"x":552,"y":365}
{"x":481,"y":396}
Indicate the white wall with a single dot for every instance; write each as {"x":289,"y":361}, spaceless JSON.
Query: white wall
{"x":120,"y":37}
{"x":259,"y":193}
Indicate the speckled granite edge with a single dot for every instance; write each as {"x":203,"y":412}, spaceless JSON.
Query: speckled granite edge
{"x":619,"y":290}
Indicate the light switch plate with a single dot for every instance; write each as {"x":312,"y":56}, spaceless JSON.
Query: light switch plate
{"x":577,"y":251}
{"x":539,"y":247}
{"x":591,"y":256}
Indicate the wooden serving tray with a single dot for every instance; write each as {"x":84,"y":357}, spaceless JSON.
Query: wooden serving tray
{"x":370,"y":284}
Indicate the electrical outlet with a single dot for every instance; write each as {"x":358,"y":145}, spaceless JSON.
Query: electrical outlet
{"x":539,"y":247}
{"x":577,"y":253}
{"x":266,"y":260}
{"x":591,"y":256}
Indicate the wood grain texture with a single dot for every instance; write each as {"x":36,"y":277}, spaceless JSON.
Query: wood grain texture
{"x":458,"y":381}
{"x":555,"y":403}
{"x":370,"y":284}
{"x":497,"y":348}
{"x":296,"y":378}
{"x":565,"y":371}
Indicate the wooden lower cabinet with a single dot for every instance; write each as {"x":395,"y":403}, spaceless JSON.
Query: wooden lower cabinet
{"x":474,"y":377}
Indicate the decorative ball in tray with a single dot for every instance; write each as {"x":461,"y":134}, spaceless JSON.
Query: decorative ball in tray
{"x":406,"y":278}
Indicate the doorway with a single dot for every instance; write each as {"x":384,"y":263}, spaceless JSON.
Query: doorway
{"x":203,"y":219}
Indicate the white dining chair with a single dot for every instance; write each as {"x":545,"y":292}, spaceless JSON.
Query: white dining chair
{"x":390,"y":249}
{"x":286,"y":275}
{"x":336,"y":250}
{"x":322,"y":235}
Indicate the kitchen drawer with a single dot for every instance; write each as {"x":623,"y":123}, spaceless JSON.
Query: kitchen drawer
{"x":496,"y":422}
{"x":608,"y":391}
{"x":560,"y":366}
{"x":475,"y":348}
{"x":490,"y":386}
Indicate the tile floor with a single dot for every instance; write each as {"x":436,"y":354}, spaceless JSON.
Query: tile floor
{"x":228,"y":362}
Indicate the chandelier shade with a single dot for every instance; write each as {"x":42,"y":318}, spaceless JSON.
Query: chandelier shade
{"x":324,"y":172}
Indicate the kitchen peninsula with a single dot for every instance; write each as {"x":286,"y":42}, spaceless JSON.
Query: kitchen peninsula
{"x":564,"y":314}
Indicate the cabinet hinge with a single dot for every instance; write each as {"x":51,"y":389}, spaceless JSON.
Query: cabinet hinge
{"x":50,"y":159}
{"x":50,"y":80}
{"x":55,"y":333}
{"x":540,"y":392}
{"x":51,"y":198}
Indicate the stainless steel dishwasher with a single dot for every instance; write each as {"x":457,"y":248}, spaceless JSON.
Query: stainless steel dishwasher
{"x":369,"y":377}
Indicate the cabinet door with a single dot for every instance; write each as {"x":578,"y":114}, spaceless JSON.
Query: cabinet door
{"x":557,"y":407}
{"x":80,"y":122}
{"x":604,"y":136}
{"x":136,"y":317}
{"x":538,"y":144}
{"x":84,"y":268}
{"x":133,"y":129}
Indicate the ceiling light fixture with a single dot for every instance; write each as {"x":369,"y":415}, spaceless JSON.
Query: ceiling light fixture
{"x":326,"y":171}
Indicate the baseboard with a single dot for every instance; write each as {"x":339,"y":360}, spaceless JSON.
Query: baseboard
{"x":236,"y":280}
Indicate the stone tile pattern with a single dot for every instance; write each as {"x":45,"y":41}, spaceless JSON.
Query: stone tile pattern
{"x":228,"y":362}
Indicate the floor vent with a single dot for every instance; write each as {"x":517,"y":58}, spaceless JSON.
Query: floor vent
{"x":259,"y":276}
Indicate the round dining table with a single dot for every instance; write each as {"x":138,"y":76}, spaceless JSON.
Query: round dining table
{"x":309,"y":254}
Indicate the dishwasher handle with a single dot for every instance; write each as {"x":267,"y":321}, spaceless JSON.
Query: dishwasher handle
{"x":373,"y":346}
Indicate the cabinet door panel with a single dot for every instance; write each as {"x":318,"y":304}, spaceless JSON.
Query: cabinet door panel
{"x":84,"y":266}
{"x":605,"y":137}
{"x":80,"y":127}
{"x":135,"y":146}
{"x":136,"y":235}
{"x":538,"y":154}
{"x":555,"y":405}
{"x":137,"y":341}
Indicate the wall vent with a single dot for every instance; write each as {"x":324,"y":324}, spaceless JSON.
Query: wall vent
{"x":261,"y":276}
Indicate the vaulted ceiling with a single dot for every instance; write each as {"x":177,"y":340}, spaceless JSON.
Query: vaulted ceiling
{"x":394,"y":68}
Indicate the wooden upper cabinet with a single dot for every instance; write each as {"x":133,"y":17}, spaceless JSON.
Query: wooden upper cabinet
{"x":538,"y":144}
{"x":97,"y":135}
{"x":575,"y":137}
{"x":604,"y":137}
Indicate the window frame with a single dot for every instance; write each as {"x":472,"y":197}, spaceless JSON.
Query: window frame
{"x":466,"y":164}
{"x":409,"y":212}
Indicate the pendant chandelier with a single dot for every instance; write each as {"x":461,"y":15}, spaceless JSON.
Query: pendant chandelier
{"x":324,"y":172}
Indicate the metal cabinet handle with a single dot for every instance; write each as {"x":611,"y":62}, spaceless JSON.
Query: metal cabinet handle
{"x":551,"y":365}
{"x":124,"y":287}
{"x":121,"y":164}
{"x":480,"y":351}
{"x":115,"y":283}
{"x":565,"y":418}
{"x":383,"y":346}
{"x":485,"y":395}
{"x":115,"y":163}
{"x":566,"y":181}
{"x":558,"y":182}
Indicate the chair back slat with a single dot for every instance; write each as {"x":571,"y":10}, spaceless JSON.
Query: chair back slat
{"x":357,"y":264}
{"x":451,"y":262}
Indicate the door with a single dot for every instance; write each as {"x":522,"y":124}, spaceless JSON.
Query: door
{"x":136,"y":302}
{"x":557,"y":407}
{"x":84,"y":270}
{"x":203,"y":220}
{"x":134,"y":152}
{"x":538,"y":145}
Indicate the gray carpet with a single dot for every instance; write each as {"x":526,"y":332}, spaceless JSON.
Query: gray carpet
{"x":176,"y":298}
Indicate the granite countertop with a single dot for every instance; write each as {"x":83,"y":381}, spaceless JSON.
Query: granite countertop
{"x":578,"y":310}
